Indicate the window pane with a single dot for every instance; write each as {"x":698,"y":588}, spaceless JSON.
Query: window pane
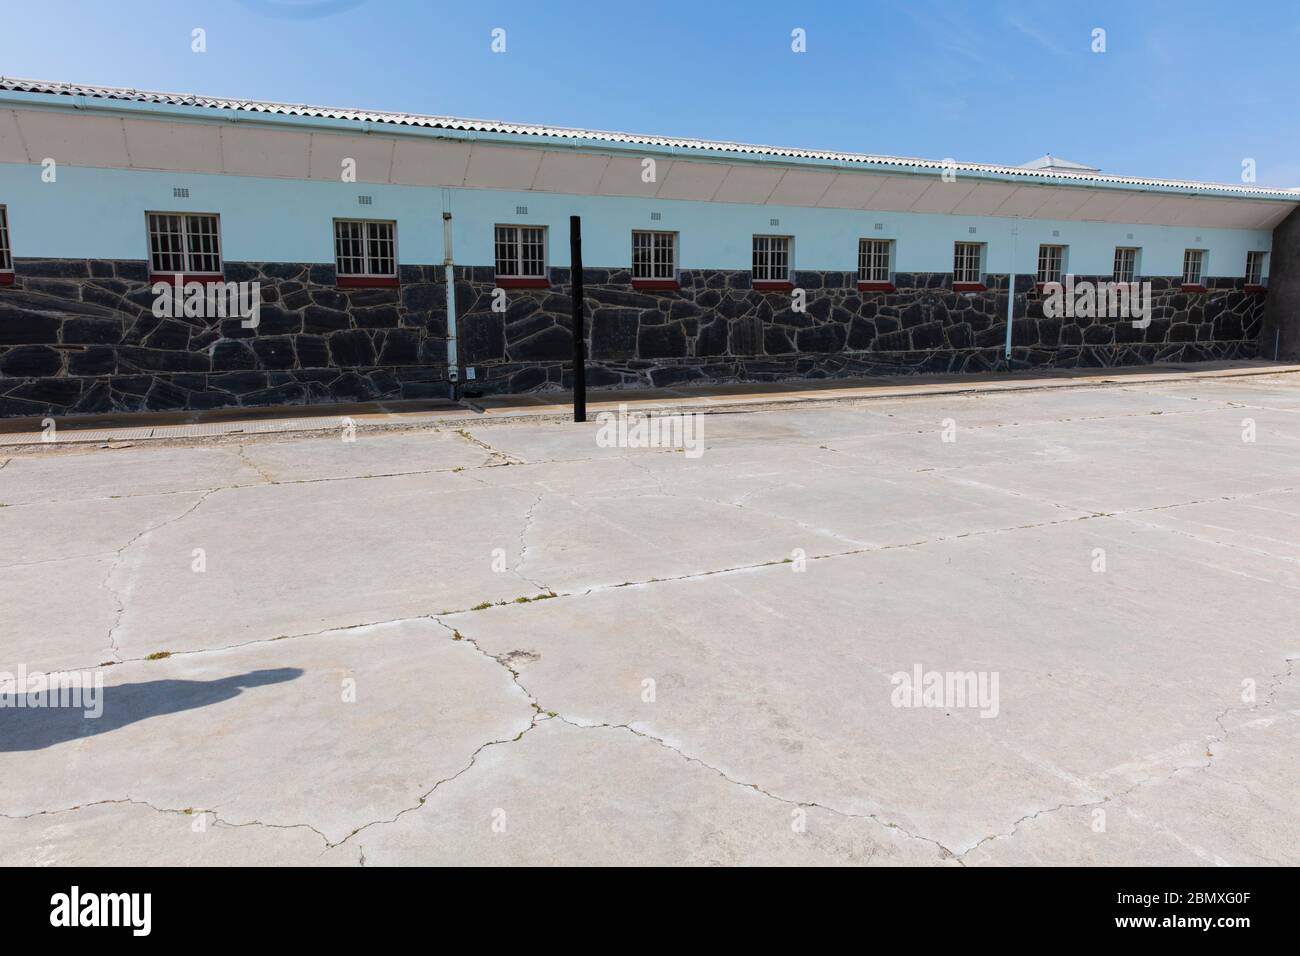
{"x":507,"y":251}
{"x":166,"y":243}
{"x":6,"y":258}
{"x":966,"y":262}
{"x":642,"y":267}
{"x":664,"y":247}
{"x":1254,"y":268}
{"x":873,"y":260}
{"x":1125,"y":264}
{"x":380,"y":252}
{"x":349,"y":248}
{"x":761,"y":258}
{"x":202,"y":240}
{"x":532,"y":251}
{"x":1050,"y":259}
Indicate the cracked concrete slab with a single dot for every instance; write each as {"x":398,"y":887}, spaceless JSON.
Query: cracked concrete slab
{"x":602,"y":796}
{"x":68,"y":474}
{"x":47,"y":531}
{"x":43,"y":626}
{"x":293,"y":559}
{"x":326,"y":734}
{"x":1235,"y":806}
{"x":134,"y":834}
{"x":714,"y":654}
{"x":364,"y":456}
{"x":733,"y":661}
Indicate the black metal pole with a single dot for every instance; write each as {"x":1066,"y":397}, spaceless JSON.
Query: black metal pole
{"x":579,"y":321}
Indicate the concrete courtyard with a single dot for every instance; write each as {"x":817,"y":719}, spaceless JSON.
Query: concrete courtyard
{"x":502,"y":643}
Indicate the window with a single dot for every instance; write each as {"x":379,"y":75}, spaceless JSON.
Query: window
{"x":654,"y":255}
{"x":6,"y":258}
{"x":874,"y":260}
{"x":365,"y":248}
{"x":1125,"y":264}
{"x":181,"y":242}
{"x":1050,"y":261}
{"x":1193,"y":261}
{"x":967,"y":261}
{"x":771,"y":258}
{"x":521,"y":252}
{"x":1254,"y":263}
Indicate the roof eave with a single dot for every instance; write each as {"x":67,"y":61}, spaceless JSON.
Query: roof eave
{"x":292,"y":116}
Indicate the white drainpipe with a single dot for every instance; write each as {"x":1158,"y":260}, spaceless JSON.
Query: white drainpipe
{"x":453,"y":363}
{"x":1011,"y":295}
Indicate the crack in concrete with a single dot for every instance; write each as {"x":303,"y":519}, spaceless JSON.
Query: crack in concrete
{"x":268,"y":482}
{"x":120,"y":553}
{"x":540,"y":714}
{"x":945,"y":852}
{"x":1211,"y":739}
{"x":495,"y":456}
{"x":523,"y":544}
{"x":243,"y":456}
{"x":710,"y":572}
{"x":188,"y":811}
{"x":537,"y":716}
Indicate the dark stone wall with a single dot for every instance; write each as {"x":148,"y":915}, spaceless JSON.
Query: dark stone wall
{"x":79,"y":336}
{"x":1281,"y":332}
{"x":718,"y":328}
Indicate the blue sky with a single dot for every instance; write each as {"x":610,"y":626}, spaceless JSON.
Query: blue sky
{"x":1185,"y":89}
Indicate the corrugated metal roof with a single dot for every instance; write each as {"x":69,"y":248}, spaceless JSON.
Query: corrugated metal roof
{"x":630,"y":139}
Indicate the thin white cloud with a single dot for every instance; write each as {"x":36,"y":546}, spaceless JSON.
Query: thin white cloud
{"x":1046,"y":42}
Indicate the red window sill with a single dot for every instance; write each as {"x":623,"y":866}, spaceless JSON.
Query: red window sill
{"x":659,"y":285}
{"x":6,"y":278}
{"x":875,"y":287}
{"x":185,"y":278}
{"x":969,"y":287}
{"x":1253,"y":289}
{"x":521,"y":282}
{"x":367,"y":282}
{"x":1193,"y":288}
{"x":773,"y":286}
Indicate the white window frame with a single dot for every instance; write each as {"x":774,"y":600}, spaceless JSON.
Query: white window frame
{"x":1120,"y":274}
{"x":367,"y":226}
{"x":657,"y":270}
{"x":187,"y":236}
{"x":1258,"y":257}
{"x":958,"y":259}
{"x":1199,"y":258}
{"x":518,"y":244}
{"x":767,"y":267}
{"x":869,"y":260}
{"x":1051,"y":262}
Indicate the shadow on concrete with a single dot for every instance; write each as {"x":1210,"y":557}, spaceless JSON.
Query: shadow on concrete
{"x":35,"y":728}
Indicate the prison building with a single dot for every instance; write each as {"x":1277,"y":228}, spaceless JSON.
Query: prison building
{"x":704,"y":261}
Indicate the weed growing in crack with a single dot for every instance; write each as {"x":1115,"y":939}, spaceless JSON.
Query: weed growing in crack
{"x":158,"y":655}
{"x":522,"y":599}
